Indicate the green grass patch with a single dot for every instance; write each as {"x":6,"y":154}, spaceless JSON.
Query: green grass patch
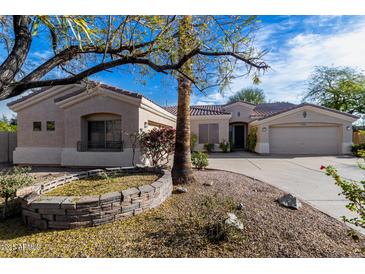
{"x":98,"y":186}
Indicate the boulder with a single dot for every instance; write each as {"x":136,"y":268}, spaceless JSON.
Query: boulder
{"x":290,"y":201}
{"x":240,"y":206}
{"x":181,"y":189}
{"x":232,"y":220}
{"x":208,"y":183}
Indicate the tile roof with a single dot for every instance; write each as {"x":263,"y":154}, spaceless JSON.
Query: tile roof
{"x":266,"y":109}
{"x":25,"y":97}
{"x":200,"y":110}
{"x":61,"y":98}
{"x":240,"y":101}
{"x":260,"y":111}
{"x":94,"y":84}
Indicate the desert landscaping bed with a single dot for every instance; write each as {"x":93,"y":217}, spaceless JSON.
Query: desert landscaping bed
{"x":185,"y":226}
{"x":39,"y":175}
{"x":94,"y":197}
{"x":100,"y":185}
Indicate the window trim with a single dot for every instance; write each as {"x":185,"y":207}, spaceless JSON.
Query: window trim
{"x":40,"y":126}
{"x":119,"y":140}
{"x":209,"y":133}
{"x":54,"y":125}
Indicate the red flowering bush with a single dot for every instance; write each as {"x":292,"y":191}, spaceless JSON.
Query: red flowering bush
{"x":157,"y":145}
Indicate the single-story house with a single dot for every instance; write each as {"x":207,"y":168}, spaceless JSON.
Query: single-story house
{"x":281,"y":128}
{"x":79,"y":125}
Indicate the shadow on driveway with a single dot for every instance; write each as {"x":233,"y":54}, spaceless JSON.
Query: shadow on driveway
{"x":253,"y":155}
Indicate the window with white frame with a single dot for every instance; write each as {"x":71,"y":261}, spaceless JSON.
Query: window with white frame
{"x":209,"y":133}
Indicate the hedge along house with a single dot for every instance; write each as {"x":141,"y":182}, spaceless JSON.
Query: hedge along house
{"x":281,"y":128}
{"x":79,"y":125}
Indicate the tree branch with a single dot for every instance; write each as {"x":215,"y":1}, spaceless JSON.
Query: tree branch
{"x":249,"y":61}
{"x":15,"y":60}
{"x":18,"y":88}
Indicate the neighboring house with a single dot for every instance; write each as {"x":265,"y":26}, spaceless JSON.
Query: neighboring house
{"x":75,"y":125}
{"x":78,"y":125}
{"x":282,"y":128}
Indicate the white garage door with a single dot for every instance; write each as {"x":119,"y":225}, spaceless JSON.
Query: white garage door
{"x":304,"y":140}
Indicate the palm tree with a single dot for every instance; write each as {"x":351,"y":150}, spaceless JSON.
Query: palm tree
{"x":250,"y":95}
{"x":181,"y":170}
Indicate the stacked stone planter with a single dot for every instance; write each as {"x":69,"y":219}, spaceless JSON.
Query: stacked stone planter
{"x":66,"y":212}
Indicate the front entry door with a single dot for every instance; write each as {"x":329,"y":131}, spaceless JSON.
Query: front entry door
{"x":239,"y":136}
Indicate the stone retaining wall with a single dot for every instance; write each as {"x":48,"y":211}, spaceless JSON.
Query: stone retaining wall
{"x":58,"y":212}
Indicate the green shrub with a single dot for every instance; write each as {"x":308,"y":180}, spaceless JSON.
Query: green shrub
{"x":356,"y":148}
{"x":209,"y":147}
{"x":102,"y":176}
{"x":10,"y":181}
{"x":8,"y":125}
{"x":354,"y":192}
{"x":225,"y":146}
{"x":361,"y":153}
{"x":193,"y":140}
{"x":252,"y":139}
{"x":199,"y":160}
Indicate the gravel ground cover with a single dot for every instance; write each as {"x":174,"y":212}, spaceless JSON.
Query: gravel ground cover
{"x":98,"y":186}
{"x":190,"y":225}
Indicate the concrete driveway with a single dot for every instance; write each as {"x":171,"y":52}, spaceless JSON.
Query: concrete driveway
{"x":299,"y":175}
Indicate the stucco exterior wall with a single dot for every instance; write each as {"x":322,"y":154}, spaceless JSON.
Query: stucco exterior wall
{"x":243,"y":110}
{"x":99,"y":104}
{"x":223,"y":124}
{"x":313,"y":118}
{"x":149,"y":112}
{"x":59,"y":147}
{"x":43,"y":111}
{"x":37,"y":155}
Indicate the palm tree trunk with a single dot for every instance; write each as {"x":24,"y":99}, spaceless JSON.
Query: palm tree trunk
{"x":182,"y":172}
{"x":5,"y":208}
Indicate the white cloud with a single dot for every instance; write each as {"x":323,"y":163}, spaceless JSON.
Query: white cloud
{"x":209,"y":99}
{"x":293,"y":62}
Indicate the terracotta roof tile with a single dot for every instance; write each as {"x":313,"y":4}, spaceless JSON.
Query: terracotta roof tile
{"x":261,"y":111}
{"x":266,"y":109}
{"x":25,"y":97}
{"x":61,"y":98}
{"x":200,"y":110}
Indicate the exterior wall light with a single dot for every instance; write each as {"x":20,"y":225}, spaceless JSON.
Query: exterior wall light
{"x":145,"y":125}
{"x":264,"y":129}
{"x":238,"y":114}
{"x":304,"y":114}
{"x":348,"y":128}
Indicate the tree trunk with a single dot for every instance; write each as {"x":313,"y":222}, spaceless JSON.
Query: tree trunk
{"x":5,"y":207}
{"x":182,"y":172}
{"x":12,"y":65}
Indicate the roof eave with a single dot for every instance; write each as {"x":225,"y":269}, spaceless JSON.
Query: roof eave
{"x":37,"y":97}
{"x":338,"y":114}
{"x":211,"y":116}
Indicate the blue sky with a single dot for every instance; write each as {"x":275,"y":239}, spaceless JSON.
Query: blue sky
{"x":295,"y":45}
